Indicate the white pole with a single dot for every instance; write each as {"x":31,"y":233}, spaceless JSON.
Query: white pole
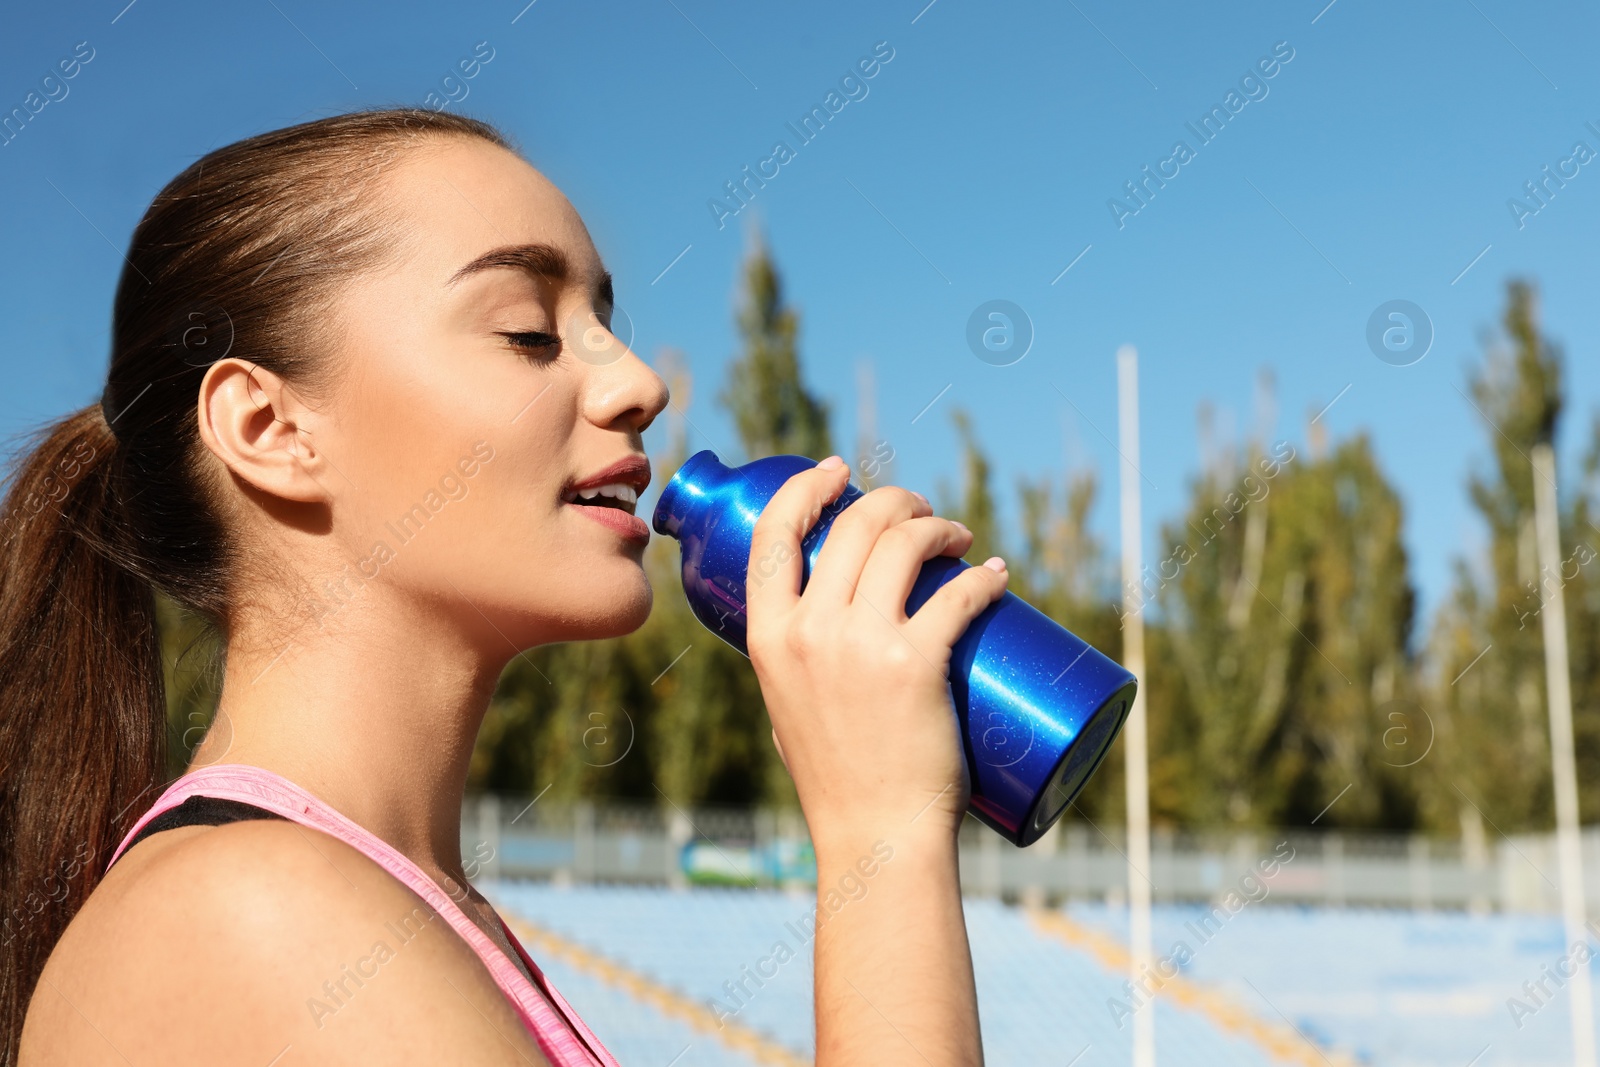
{"x":1133,"y":734}
{"x":1558,"y":689}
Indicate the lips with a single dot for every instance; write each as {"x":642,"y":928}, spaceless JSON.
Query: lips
{"x":609,"y":496}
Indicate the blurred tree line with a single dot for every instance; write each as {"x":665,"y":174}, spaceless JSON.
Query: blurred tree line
{"x":1290,"y":682}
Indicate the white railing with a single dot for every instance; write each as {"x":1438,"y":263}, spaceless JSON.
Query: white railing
{"x":589,"y":843}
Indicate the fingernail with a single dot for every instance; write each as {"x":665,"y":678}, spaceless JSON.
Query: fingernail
{"x":832,"y":463}
{"x":996,"y":564}
{"x":920,"y":497}
{"x":958,"y":522}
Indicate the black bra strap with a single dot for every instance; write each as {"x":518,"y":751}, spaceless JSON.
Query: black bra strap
{"x":201,"y":810}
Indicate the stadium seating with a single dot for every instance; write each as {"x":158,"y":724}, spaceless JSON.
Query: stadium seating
{"x":1382,"y":987}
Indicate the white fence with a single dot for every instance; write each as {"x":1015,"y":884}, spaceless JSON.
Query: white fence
{"x":505,"y":837}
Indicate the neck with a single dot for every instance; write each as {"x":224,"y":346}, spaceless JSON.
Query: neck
{"x":375,"y":712}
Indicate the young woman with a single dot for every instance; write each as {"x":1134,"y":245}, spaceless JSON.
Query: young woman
{"x":362,"y":404}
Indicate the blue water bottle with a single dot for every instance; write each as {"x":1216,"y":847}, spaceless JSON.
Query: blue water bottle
{"x":1038,"y":707}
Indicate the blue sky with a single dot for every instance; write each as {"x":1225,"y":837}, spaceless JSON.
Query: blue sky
{"x":976,"y":164}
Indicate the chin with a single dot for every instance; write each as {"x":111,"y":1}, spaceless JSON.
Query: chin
{"x":615,"y":611}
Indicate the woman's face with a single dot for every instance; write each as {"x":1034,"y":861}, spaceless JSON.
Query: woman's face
{"x":486,"y":423}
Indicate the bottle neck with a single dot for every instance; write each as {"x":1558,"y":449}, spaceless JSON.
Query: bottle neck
{"x":701,"y":475}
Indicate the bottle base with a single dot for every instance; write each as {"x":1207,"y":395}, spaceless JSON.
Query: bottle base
{"x":1072,"y":771}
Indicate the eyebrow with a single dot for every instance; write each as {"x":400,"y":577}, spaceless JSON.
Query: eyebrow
{"x":539,"y":260}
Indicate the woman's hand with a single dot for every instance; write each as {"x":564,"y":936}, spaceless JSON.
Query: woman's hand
{"x":858,"y":693}
{"x":860,"y":704}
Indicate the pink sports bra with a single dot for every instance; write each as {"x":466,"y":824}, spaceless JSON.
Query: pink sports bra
{"x":562,"y":1036}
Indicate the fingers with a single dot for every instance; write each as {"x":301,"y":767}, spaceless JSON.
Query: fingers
{"x":897,"y":559}
{"x":775,"y":566}
{"x":855,"y":533}
{"x":948,"y":613}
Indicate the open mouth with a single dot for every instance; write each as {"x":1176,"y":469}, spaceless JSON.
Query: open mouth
{"x":616,"y":495}
{"x":610,"y":495}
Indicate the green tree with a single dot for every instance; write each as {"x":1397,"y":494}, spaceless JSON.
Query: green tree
{"x":976,"y":504}
{"x":771,"y":407}
{"x":1061,"y":568}
{"x":1287,"y":611}
{"x":191,"y":657}
{"x":1581,"y":542}
{"x":1487,"y":643}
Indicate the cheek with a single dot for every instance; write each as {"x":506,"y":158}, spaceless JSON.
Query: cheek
{"x":547,"y":568}
{"x":498,"y":537}
{"x":511,"y":500}
{"x":422,"y":416}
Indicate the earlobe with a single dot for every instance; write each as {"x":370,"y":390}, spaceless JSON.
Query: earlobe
{"x":254,"y":423}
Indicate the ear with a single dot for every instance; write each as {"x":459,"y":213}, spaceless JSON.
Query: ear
{"x":256,"y":425}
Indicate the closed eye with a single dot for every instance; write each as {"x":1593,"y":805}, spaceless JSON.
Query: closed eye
{"x":532,"y":341}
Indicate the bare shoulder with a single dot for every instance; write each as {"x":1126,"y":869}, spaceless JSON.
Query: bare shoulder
{"x":263,"y":942}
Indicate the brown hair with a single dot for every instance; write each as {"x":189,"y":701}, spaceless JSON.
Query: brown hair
{"x":242,"y":254}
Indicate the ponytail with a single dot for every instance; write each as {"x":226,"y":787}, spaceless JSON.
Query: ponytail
{"x":240,"y":255}
{"x":82,"y":715}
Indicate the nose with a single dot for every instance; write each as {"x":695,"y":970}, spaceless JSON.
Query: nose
{"x":622,"y":390}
